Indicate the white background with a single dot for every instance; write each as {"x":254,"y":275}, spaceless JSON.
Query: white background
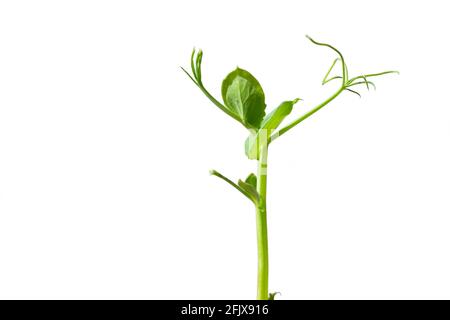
{"x":105,"y":147}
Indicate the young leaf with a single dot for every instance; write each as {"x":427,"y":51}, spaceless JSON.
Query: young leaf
{"x":251,"y":149}
{"x":251,"y":180}
{"x":274,"y":119}
{"x":270,"y":122}
{"x":245,"y":188}
{"x":272,"y":295}
{"x":250,"y":190}
{"x":244,"y":96}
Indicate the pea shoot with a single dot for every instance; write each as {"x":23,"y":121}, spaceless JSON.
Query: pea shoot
{"x":244,"y":101}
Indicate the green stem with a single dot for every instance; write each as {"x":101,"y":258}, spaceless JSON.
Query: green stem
{"x":261,"y":210}
{"x":261,"y":222}
{"x":306,"y":115}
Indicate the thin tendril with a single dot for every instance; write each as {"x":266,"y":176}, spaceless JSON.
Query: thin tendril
{"x":344,"y":66}
{"x":353,"y":91}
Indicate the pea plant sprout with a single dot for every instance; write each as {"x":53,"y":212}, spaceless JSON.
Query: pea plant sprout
{"x":244,"y":101}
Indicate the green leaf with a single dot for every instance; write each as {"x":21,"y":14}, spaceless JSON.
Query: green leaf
{"x":272,"y":295}
{"x":251,"y":146}
{"x":274,"y":119}
{"x":250,"y":190}
{"x":244,"y":97}
{"x":270,"y":122}
{"x":245,"y":188}
{"x":251,"y":180}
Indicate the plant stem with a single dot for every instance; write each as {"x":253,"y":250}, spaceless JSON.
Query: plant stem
{"x":306,"y":115}
{"x":261,"y":221}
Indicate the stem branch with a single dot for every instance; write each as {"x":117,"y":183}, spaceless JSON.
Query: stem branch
{"x":305,"y":116}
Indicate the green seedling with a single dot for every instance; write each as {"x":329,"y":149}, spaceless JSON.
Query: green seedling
{"x":244,"y":100}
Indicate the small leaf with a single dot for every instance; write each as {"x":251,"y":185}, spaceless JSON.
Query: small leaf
{"x":272,"y":295}
{"x":274,"y":119}
{"x":245,"y":188}
{"x":251,"y":180}
{"x":252,"y":142}
{"x":250,"y":190}
{"x":244,"y":96}
{"x":251,"y":147}
{"x":271,"y":122}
